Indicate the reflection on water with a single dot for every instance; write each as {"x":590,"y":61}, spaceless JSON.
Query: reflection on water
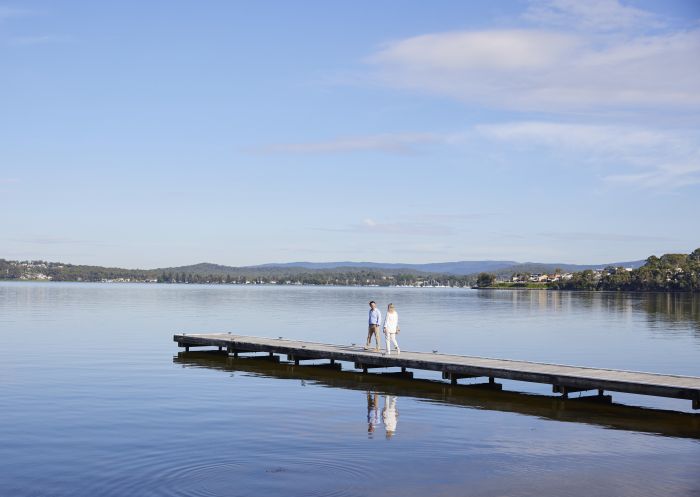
{"x":662,"y":309}
{"x":372,"y":411}
{"x":389,"y":387}
{"x":674,"y":311}
{"x":390,"y":415}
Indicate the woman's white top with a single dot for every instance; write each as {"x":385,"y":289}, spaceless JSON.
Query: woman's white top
{"x":391,"y":322}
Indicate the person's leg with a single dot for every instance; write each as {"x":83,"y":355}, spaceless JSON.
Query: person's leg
{"x":396,"y":344}
{"x":388,"y":343}
{"x":376,"y":338}
{"x":369,"y":336}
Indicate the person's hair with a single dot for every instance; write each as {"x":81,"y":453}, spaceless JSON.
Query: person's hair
{"x":391,"y":306}
{"x":372,"y":302}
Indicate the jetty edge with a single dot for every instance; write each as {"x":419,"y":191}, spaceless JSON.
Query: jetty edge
{"x":564,"y":379}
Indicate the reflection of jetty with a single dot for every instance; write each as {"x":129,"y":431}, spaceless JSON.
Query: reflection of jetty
{"x":616,"y":416}
{"x":564,"y":379}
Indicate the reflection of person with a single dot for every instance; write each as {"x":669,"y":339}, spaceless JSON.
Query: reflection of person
{"x":372,"y":411}
{"x":389,"y":415}
{"x":391,"y":328}
{"x":375,"y":318}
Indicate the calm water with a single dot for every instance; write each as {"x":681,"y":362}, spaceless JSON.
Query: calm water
{"x":96,"y":399}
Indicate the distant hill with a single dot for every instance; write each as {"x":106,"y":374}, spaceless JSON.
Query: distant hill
{"x":458,"y":268}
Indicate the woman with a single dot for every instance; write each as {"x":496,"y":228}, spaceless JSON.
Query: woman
{"x":391,"y":328}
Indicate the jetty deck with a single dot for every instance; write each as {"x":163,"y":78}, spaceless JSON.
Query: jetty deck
{"x":564,"y":379}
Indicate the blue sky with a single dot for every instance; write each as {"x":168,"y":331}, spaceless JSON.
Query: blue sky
{"x":146,"y":134}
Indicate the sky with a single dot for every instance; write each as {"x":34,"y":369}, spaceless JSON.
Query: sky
{"x":163,"y":133}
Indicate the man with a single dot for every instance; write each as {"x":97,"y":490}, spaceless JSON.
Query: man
{"x":375,"y":319}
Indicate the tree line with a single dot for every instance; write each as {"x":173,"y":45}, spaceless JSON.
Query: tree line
{"x":668,"y":273}
{"x":55,"y":271}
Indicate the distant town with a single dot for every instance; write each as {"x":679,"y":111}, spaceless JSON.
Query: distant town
{"x":556,"y":276}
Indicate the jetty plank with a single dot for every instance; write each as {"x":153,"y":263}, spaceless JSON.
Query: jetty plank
{"x":562,"y":377}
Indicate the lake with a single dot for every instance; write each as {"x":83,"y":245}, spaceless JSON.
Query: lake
{"x":98,"y":400}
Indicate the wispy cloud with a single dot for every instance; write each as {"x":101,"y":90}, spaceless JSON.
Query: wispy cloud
{"x":13,"y":12}
{"x":595,"y":15}
{"x":398,"y":143}
{"x":403,"y":228}
{"x":55,"y":240}
{"x":668,"y":177}
{"x":549,"y":70}
{"x":624,"y":155}
{"x":456,"y":217}
{"x":649,"y":158}
{"x":8,"y":181}
{"x":601,"y":237}
{"x":38,"y":39}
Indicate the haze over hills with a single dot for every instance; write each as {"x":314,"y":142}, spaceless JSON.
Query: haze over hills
{"x":349,"y":273}
{"x":458,"y":267}
{"x":455,"y":268}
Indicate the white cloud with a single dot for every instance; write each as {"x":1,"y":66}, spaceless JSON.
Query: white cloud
{"x":498,"y":50}
{"x":399,"y":143}
{"x":549,"y":70}
{"x":657,"y":159}
{"x":606,"y":140}
{"x":597,"y":15}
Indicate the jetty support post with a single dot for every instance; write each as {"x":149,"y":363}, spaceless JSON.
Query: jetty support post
{"x":453,"y":377}
{"x":365,"y":367}
{"x":565,"y":390}
{"x":333,"y":365}
{"x":296,"y":358}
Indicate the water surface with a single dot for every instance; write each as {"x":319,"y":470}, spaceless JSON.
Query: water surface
{"x":96,"y":399}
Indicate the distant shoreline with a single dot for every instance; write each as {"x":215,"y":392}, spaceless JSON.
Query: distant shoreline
{"x":17,"y":280}
{"x":670,"y":272}
{"x":306,"y":285}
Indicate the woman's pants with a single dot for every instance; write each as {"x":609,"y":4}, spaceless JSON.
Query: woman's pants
{"x":391,"y":338}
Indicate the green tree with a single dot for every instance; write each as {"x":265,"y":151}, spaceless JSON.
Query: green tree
{"x":485,"y":279}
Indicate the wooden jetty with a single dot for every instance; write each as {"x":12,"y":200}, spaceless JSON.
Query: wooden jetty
{"x":564,"y":379}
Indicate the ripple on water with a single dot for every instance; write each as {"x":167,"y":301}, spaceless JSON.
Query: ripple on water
{"x":321,"y":474}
